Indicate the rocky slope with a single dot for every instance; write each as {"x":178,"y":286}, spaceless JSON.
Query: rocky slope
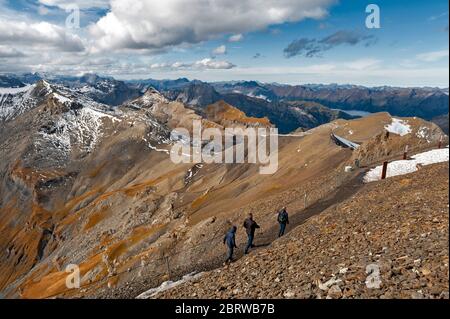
{"x":15,"y":101}
{"x":442,"y":122}
{"x":45,"y":151}
{"x":68,"y":171}
{"x":228,"y":116}
{"x":84,"y":183}
{"x":396,"y":228}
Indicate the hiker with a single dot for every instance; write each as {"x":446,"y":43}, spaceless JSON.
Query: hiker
{"x":283,"y":220}
{"x":250,"y":226}
{"x":230,"y":241}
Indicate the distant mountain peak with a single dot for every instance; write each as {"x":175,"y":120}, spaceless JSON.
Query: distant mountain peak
{"x":90,"y":78}
{"x":41,"y":88}
{"x":225,"y":114}
{"x":148,"y":99}
{"x":151,"y":91}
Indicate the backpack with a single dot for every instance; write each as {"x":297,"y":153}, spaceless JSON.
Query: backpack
{"x":282,"y":217}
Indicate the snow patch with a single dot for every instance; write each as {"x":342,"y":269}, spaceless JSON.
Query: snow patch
{"x":61,"y":99}
{"x":169,"y":285}
{"x":259,"y":96}
{"x":15,"y":101}
{"x":403,"y":167}
{"x":47,"y":85}
{"x":157,"y":149}
{"x":82,"y":128}
{"x":399,"y":127}
{"x":15,"y":90}
{"x":424,"y":133}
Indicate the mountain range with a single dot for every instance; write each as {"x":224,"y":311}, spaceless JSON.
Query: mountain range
{"x":285,"y":105}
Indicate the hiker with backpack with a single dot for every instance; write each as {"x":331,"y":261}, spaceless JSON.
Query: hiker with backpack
{"x":250,"y":226}
{"x":283,"y":220}
{"x":230,"y":241}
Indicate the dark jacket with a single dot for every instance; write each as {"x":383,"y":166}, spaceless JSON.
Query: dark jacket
{"x":250,"y":226}
{"x":281,"y":214}
{"x":230,"y":238}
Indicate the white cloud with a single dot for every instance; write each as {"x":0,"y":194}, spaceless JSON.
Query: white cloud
{"x":165,"y":65}
{"x":8,"y":52}
{"x":205,"y":64}
{"x":150,"y":24}
{"x":236,"y":38}
{"x":213,"y":64}
{"x":38,"y":35}
{"x":363,"y":64}
{"x":433,"y":56}
{"x":220,"y":50}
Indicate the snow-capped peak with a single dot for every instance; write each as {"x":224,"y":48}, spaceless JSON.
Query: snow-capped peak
{"x":15,"y":101}
{"x":46,"y":84}
{"x":153,"y":95}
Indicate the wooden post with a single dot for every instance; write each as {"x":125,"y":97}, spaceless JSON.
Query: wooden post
{"x":405,"y":153}
{"x":440,"y":142}
{"x":384,"y":171}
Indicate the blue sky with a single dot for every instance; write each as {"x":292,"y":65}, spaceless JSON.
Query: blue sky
{"x":285,"y":41}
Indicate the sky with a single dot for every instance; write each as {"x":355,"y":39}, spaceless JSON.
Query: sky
{"x":283,"y":41}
